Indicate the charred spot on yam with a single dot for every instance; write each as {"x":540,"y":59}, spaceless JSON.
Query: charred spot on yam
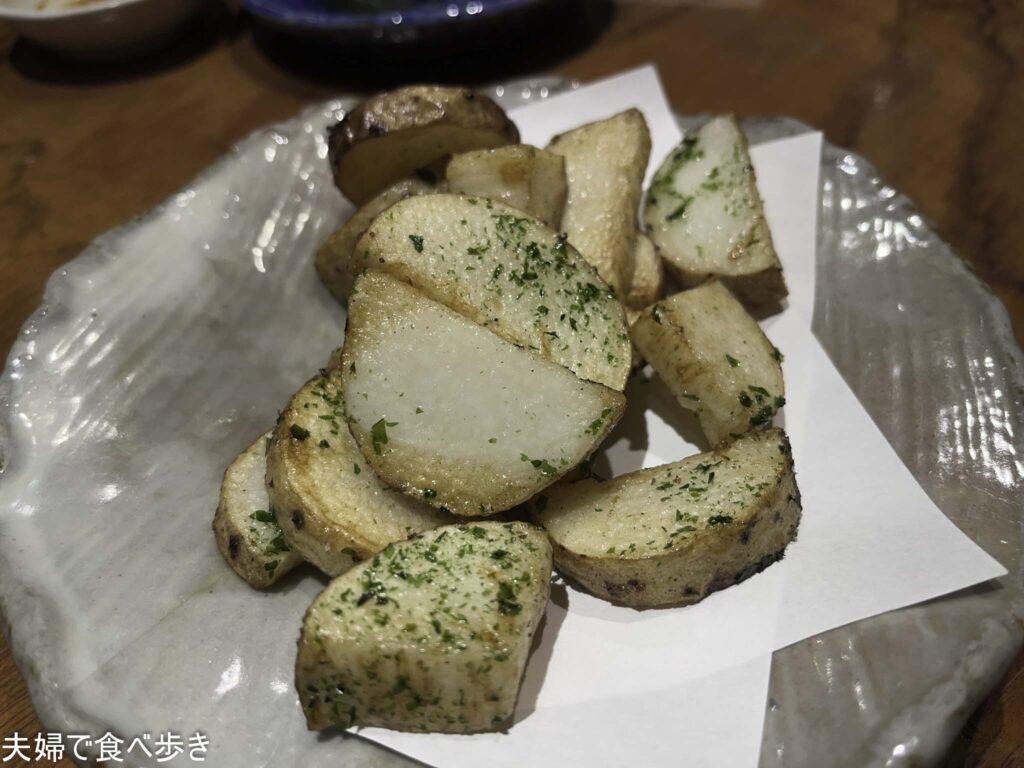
{"x":630,"y":587}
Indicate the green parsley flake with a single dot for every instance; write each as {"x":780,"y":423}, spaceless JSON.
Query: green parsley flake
{"x":506,"y":599}
{"x":379,"y":433}
{"x":263,"y":516}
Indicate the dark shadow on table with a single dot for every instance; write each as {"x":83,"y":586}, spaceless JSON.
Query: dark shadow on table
{"x":212,"y":24}
{"x":527,"y":44}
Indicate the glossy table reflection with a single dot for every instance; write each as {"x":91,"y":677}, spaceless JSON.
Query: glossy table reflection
{"x":932,"y":95}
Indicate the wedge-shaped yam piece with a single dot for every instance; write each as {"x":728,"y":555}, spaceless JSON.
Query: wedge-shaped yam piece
{"x":605,"y":163}
{"x":648,"y":275}
{"x":715,"y":359}
{"x":332,"y":507}
{"x":671,"y":534}
{"x":334,"y":258}
{"x":705,"y":214}
{"x":245,"y":526}
{"x":432,"y":634}
{"x":519,"y":175}
{"x":394,"y":134}
{"x":507,"y":271}
{"x":450,"y":413}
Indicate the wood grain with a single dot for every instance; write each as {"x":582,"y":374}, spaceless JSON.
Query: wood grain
{"x":931,"y":92}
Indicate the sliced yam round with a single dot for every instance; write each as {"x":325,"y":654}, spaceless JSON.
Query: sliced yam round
{"x":334,"y":258}
{"x":704,"y":212}
{"x":605,"y":163}
{"x":524,"y":177}
{"x":245,"y":526}
{"x":454,"y":415}
{"x":331,"y":506}
{"x":433,"y":634}
{"x":394,"y":134}
{"x":714,"y":358}
{"x":672,"y":534}
{"x":508,"y":272}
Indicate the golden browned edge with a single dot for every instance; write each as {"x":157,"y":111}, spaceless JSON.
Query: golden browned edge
{"x":299,"y":511}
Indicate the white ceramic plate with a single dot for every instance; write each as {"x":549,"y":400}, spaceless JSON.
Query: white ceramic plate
{"x":145,"y":371}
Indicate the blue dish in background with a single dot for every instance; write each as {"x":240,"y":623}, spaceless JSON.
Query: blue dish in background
{"x":385,"y":21}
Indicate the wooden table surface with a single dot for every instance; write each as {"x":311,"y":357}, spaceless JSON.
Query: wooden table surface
{"x":931,"y":92}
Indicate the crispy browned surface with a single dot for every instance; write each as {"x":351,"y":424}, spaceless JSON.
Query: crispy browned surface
{"x":409,"y":111}
{"x":931,"y":93}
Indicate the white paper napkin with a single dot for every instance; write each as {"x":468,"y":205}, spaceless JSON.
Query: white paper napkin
{"x":687,"y":686}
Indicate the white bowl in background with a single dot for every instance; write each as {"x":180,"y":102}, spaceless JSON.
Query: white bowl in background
{"x":96,"y":28}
